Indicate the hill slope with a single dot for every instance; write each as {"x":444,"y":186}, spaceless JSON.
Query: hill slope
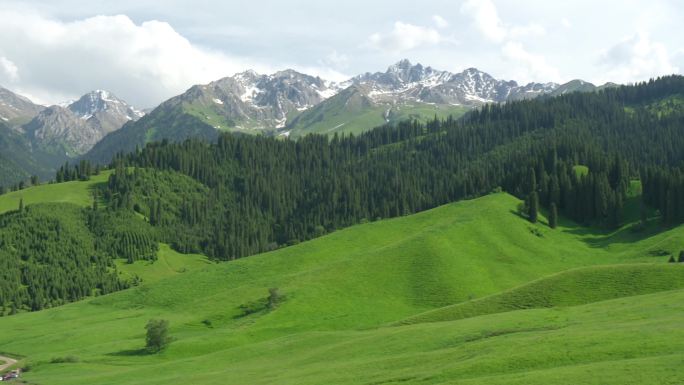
{"x":340,"y":288}
{"x":76,"y":192}
{"x":568,"y":288}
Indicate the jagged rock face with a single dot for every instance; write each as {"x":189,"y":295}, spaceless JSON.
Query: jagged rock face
{"x":59,"y":129}
{"x":258,"y":101}
{"x":13,"y":106}
{"x":76,"y":128}
{"x":104,"y":112}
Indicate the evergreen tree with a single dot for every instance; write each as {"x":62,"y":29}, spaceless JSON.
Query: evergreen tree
{"x":21,"y":205}
{"x":672,"y":259}
{"x":532,"y":181}
{"x":533,"y":207}
{"x":643,"y":213}
{"x":553,"y":216}
{"x":681,"y":256}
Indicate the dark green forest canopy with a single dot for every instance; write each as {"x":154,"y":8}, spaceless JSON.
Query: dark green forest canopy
{"x":51,"y":254}
{"x":264,"y":192}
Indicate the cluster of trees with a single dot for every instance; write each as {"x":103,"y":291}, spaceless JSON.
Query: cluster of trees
{"x":258,"y":193}
{"x":80,"y":171}
{"x":48,"y":258}
{"x":593,"y":195}
{"x":33,"y":181}
{"x":83,"y":170}
{"x":51,"y":254}
{"x":664,"y":190}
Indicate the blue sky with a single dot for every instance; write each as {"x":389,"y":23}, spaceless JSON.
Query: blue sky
{"x":147,"y":51}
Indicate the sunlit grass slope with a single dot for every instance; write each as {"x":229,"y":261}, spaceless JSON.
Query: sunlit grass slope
{"x":168,"y":263}
{"x":76,"y":192}
{"x":342,"y":290}
{"x":568,"y":288}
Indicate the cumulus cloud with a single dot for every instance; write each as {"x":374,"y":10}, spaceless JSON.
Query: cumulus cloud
{"x":335,"y":60}
{"x":530,"y":66}
{"x":404,"y":37}
{"x":523,"y":65}
{"x":440,"y":22}
{"x":143,"y":63}
{"x":486,"y":19}
{"x":529,"y":30}
{"x":10,"y":72}
{"x":636,"y":58}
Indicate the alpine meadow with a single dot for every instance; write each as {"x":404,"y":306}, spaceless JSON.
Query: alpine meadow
{"x":254,"y":222}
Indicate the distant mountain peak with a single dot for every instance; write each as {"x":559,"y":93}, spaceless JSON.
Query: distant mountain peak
{"x":75,"y":127}
{"x":98,"y":101}
{"x":402,"y":64}
{"x":15,"y":106}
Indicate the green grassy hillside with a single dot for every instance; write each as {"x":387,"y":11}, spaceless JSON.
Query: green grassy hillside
{"x":76,"y":192}
{"x":351,"y":111}
{"x":339,"y":292}
{"x":168,"y":263}
{"x":568,"y":288}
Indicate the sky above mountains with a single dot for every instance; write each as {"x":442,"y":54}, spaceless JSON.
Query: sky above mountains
{"x":146,"y":51}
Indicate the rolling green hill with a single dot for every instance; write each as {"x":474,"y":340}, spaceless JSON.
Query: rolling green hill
{"x":352,"y":111}
{"x":342,"y":289}
{"x":76,"y":192}
{"x":568,"y":288}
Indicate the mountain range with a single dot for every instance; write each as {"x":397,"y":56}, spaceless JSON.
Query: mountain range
{"x":293,"y":104}
{"x":41,"y":138}
{"x":286,"y":103}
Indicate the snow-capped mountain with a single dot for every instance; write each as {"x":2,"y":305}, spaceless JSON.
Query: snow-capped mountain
{"x":252,"y":101}
{"x":101,"y":103}
{"x":293,"y":104}
{"x":13,"y":106}
{"x":75,"y":128}
{"x":404,"y":82}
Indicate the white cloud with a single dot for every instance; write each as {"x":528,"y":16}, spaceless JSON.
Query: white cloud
{"x":636,"y":58}
{"x":440,"y":22}
{"x":530,"y":67}
{"x":335,"y":60}
{"x":9,"y":70}
{"x":404,"y":37}
{"x":529,"y":30}
{"x":486,"y":19}
{"x":143,"y":63}
{"x":566,"y":23}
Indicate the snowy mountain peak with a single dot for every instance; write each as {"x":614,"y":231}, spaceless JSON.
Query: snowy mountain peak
{"x":400,"y":66}
{"x":99,"y":101}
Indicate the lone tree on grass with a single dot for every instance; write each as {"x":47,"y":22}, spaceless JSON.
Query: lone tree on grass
{"x":157,"y":338}
{"x":274,"y":298}
{"x":681,"y":256}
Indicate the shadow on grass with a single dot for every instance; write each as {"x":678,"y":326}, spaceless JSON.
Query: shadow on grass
{"x":131,"y":353}
{"x":596,"y":235}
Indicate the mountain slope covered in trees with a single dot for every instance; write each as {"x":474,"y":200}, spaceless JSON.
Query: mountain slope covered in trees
{"x":265,"y":193}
